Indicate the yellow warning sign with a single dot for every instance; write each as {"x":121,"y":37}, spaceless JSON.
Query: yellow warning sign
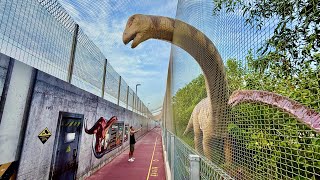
{"x":44,"y":135}
{"x":45,"y":132}
{"x":68,"y":149}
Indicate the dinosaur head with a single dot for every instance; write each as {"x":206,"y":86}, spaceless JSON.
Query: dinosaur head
{"x":112,"y":120}
{"x":137,"y":29}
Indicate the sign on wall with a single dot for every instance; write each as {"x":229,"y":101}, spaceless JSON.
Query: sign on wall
{"x":44,"y":135}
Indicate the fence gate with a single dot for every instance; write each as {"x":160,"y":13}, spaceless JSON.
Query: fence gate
{"x":67,"y":144}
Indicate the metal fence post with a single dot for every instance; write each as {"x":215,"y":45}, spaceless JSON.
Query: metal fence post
{"x":127,"y":97}
{"x":168,"y":141}
{"x":194,"y":167}
{"x":132,"y":102}
{"x":119,"y":90}
{"x":139,"y":107}
{"x":172,"y":156}
{"x":104,"y":78}
{"x":136,"y":107}
{"x":135,"y":102}
{"x":73,"y":52}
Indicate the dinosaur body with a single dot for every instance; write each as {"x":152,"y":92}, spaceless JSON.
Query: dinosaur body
{"x":100,"y":129}
{"x":200,"y":117}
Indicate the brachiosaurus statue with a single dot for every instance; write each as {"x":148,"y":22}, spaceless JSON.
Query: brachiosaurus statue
{"x":140,"y":28}
{"x":212,"y":109}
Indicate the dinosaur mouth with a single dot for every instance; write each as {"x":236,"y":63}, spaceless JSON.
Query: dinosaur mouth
{"x":127,"y":39}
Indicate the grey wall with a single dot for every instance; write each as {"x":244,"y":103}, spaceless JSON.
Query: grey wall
{"x":51,"y":96}
{"x":14,"y":109}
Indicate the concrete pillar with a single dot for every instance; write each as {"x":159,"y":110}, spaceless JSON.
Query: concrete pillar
{"x":194,"y":167}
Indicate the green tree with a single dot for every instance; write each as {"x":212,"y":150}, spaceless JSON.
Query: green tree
{"x":295,"y":42}
{"x":184,"y":101}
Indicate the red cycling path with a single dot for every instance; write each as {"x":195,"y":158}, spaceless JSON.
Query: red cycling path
{"x":148,"y":165}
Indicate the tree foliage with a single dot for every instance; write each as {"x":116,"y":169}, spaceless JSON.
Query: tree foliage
{"x":184,"y":101}
{"x":295,"y":42}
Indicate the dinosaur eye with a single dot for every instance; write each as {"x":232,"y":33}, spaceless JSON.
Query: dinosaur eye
{"x":132,"y":18}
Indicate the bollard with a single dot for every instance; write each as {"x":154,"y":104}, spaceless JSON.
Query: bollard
{"x":172,"y":157}
{"x":194,"y":167}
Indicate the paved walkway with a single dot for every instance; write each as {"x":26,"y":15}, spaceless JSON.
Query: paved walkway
{"x":148,"y":164}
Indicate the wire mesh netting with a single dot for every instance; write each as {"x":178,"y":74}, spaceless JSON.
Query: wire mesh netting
{"x":88,"y":64}
{"x":40,"y":33}
{"x":112,"y":85}
{"x":254,"y":112}
{"x":245,"y":96}
{"x":209,"y":170}
{"x":130,"y":99}
{"x":24,"y":34}
{"x":123,"y":91}
{"x":181,"y":160}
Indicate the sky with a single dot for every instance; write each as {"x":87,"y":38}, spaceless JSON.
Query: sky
{"x":104,"y":22}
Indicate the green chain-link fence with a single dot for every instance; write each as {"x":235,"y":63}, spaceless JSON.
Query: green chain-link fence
{"x":180,"y":163}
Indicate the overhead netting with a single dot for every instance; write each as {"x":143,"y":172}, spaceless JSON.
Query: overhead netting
{"x":40,"y":33}
{"x":257,"y":115}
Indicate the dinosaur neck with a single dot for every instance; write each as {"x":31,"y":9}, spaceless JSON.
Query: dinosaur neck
{"x":200,"y":47}
{"x":304,"y":114}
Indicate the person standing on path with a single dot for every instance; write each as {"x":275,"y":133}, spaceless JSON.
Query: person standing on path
{"x":132,"y":142}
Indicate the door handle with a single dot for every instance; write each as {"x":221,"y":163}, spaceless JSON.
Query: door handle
{"x":74,"y":153}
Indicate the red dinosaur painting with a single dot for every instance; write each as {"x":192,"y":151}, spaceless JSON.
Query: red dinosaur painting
{"x":100,"y":130}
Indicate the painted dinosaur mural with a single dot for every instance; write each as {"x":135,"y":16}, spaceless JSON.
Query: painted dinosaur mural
{"x":100,"y":130}
{"x":212,"y":109}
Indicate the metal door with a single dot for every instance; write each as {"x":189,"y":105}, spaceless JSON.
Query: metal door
{"x":67,"y":145}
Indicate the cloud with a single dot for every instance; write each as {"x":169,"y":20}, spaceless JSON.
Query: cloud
{"x":104,"y":22}
{"x":168,"y":8}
